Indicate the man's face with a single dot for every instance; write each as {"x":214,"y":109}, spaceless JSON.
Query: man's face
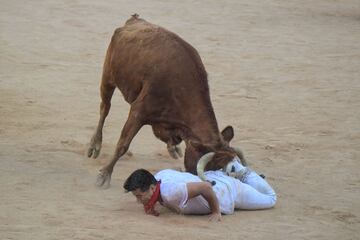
{"x":143,"y":197}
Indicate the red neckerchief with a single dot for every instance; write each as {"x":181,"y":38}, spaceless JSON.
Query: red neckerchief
{"x":149,"y":206}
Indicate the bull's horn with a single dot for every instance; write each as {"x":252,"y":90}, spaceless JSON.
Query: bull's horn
{"x":202,"y":164}
{"x":240,"y":155}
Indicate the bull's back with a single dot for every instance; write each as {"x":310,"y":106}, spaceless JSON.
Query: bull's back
{"x":141,"y":53}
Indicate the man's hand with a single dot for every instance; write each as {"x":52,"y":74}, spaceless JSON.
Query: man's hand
{"x":205,"y":189}
{"x":215,"y":217}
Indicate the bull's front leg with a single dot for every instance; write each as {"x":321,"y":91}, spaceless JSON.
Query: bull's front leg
{"x":174,"y":150}
{"x":169,"y":137}
{"x":130,"y":129}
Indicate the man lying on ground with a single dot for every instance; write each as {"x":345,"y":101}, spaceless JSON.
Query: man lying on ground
{"x":186,"y":193}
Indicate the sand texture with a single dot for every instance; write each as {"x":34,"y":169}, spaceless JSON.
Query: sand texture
{"x":284,"y":74}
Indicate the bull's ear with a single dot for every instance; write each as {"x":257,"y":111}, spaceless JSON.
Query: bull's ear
{"x":228,"y":133}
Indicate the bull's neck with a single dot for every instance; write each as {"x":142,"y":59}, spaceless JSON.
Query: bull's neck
{"x":204,"y":127}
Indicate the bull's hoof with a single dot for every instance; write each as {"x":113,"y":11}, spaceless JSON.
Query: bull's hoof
{"x":94,"y":149}
{"x":174,"y":151}
{"x":178,"y":151}
{"x":103,"y":179}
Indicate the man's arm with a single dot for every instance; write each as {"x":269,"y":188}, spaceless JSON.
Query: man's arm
{"x":205,"y":189}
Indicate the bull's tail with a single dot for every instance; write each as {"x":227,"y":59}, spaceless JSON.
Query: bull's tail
{"x":135,"y":17}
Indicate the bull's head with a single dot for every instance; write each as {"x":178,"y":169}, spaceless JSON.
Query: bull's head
{"x":212,"y":156}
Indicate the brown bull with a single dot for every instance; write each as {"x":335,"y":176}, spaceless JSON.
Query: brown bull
{"x":163,"y":79}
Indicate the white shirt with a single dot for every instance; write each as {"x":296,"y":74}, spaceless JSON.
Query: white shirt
{"x":174,"y":192}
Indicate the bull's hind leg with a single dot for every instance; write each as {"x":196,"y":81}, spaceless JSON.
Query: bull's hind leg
{"x":130,"y":129}
{"x":106,"y":92}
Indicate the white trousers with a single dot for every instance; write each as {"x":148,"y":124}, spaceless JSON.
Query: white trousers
{"x":254,"y":193}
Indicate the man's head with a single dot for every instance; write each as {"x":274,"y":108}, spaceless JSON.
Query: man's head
{"x":142,"y":184}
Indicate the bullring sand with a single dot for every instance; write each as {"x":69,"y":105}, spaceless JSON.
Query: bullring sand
{"x":284,"y":74}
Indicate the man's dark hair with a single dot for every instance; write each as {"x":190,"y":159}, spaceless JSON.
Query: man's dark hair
{"x":141,"y":179}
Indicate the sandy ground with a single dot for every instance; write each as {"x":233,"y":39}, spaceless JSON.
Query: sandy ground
{"x":284,"y":74}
